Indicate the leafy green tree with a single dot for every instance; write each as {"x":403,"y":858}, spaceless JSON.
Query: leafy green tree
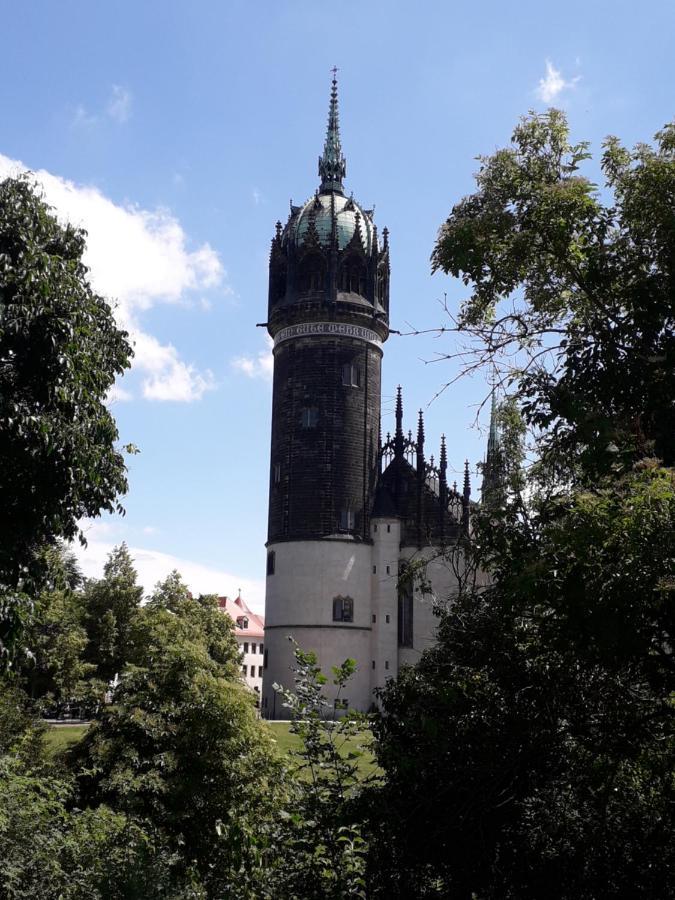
{"x":318,"y":849}
{"x":60,"y":351}
{"x":181,"y":746}
{"x":530,"y":753}
{"x":571,"y":290}
{"x":108,"y":606}
{"x":50,"y":848}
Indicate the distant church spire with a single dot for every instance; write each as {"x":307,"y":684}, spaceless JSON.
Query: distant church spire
{"x":332,"y":164}
{"x":493,"y":438}
{"x":493,"y":480}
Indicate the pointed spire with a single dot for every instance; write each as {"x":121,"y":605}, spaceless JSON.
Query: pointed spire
{"x":332,"y":164}
{"x":420,"y":433}
{"x":443,"y":464}
{"x":442,"y":490}
{"x":493,"y":439}
{"x":398,"y":438}
{"x":467,"y":481}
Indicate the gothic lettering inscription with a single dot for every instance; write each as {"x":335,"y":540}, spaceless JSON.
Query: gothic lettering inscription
{"x":327,"y":329}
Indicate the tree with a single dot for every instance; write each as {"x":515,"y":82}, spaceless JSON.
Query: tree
{"x":108,"y":606}
{"x":530,"y":753}
{"x":60,"y":351}
{"x":571,"y":297}
{"x":180,"y":746}
{"x":318,"y":850}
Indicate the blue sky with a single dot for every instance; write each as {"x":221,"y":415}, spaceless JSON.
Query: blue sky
{"x":177,"y":132}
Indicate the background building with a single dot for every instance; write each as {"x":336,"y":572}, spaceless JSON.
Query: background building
{"x":249,"y":630}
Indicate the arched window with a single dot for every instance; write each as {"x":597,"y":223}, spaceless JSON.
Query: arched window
{"x":352,"y":277}
{"x":312,"y":274}
{"x":343,"y":609}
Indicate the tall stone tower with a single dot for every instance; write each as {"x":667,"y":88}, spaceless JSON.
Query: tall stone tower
{"x":328,"y":316}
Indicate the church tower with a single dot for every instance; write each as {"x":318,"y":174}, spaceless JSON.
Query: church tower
{"x":328,"y":315}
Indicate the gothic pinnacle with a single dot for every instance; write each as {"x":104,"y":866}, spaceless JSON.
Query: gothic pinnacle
{"x":398,"y":438}
{"x":467,"y":480}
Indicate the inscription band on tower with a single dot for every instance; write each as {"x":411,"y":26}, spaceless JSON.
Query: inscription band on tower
{"x":327,"y":329}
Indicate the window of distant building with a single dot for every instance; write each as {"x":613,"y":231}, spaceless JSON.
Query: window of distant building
{"x":253,"y":646}
{"x":260,"y":648}
{"x":271,"y":561}
{"x":243,"y":670}
{"x":245,"y":646}
{"x":242,"y":622}
{"x":343,"y":609}
{"x":259,"y":671}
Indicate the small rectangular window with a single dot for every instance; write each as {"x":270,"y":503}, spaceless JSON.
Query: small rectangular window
{"x":386,"y":618}
{"x":259,"y":671}
{"x":386,"y":663}
{"x":388,"y":529}
{"x":343,"y":609}
{"x":341,"y":703}
{"x":265,"y":659}
{"x":243,"y":671}
{"x":373,"y":664}
{"x":245,"y":646}
{"x":253,"y":647}
{"x":260,"y":648}
{"x":346,"y":520}
{"x":374,"y":618}
{"x":351,"y":375}
{"x":374,"y":527}
{"x":271,"y":562}
{"x":388,"y":570}
{"x":309,"y":417}
{"x":374,"y":570}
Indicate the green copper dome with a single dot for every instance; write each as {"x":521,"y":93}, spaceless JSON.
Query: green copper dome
{"x":314,"y":222}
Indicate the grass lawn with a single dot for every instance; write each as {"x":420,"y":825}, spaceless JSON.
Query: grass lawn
{"x":60,"y":737}
{"x":287,"y":742}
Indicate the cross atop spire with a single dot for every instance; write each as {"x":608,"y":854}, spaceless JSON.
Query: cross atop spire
{"x":332,"y":164}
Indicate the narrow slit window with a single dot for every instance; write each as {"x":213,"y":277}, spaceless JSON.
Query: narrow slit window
{"x":309,"y":417}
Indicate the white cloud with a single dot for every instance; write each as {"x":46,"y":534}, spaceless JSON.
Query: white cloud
{"x":118,"y":394}
{"x":119,"y":104}
{"x":138,"y":258}
{"x":150,"y":529}
{"x":259,"y":366}
{"x":553,"y":83}
{"x":257,"y":196}
{"x":153,"y":566}
{"x":168,"y":376}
